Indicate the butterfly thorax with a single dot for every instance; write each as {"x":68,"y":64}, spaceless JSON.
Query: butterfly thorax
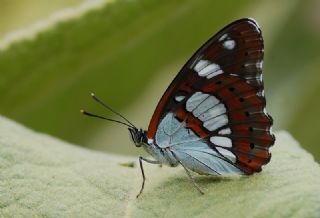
{"x":163,"y":155}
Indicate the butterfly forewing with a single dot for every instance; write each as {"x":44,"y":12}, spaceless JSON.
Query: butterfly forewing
{"x":219,"y":96}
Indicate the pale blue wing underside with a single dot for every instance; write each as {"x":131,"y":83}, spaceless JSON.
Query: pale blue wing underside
{"x":191,"y":150}
{"x":204,"y":160}
{"x":170,"y":132}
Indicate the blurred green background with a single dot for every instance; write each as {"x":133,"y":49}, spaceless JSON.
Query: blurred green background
{"x":127,"y":52}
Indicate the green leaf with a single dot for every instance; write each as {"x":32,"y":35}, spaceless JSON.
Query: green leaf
{"x":41,"y":176}
{"x":114,"y":51}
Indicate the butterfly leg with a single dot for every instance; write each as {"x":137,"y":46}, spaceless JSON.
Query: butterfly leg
{"x":142,"y":171}
{"x":189,"y":175}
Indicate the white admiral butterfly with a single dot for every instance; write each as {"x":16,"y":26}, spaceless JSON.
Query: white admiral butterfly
{"x":212,"y":118}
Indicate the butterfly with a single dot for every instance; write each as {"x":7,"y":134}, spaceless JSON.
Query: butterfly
{"x":212,"y":118}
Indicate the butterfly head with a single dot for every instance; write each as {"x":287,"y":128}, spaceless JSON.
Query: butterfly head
{"x":138,"y":136}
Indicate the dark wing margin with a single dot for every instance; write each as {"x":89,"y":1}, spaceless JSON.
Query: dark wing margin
{"x":238,"y":51}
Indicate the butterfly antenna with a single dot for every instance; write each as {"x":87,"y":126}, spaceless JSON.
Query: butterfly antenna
{"x":101,"y":117}
{"x":107,"y":106}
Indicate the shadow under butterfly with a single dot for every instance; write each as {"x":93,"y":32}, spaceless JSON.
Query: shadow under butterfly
{"x":212,"y":118}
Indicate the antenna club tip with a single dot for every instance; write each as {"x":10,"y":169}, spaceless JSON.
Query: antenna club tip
{"x":82,"y":111}
{"x":92,"y":94}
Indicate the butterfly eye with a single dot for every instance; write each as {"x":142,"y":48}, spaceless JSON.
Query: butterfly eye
{"x":250,"y":129}
{"x":241,"y":99}
{"x":247,"y":114}
{"x":231,"y":89}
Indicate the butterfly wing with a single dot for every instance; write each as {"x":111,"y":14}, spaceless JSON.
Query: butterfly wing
{"x":218,"y":100}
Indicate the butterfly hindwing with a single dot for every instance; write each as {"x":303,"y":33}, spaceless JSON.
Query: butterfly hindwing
{"x":218,"y":95}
